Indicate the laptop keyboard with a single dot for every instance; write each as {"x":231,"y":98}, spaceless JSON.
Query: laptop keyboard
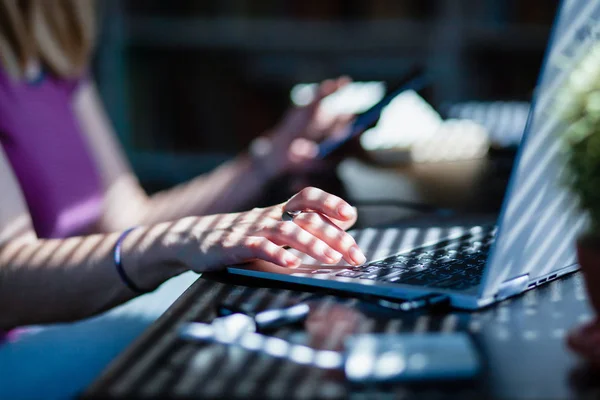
{"x":455,"y":264}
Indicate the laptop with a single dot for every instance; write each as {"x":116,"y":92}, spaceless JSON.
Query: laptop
{"x":533,"y":240}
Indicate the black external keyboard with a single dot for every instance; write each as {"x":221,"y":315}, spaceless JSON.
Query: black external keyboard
{"x":455,"y":264}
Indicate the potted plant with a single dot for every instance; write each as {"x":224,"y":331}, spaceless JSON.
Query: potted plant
{"x":579,"y":106}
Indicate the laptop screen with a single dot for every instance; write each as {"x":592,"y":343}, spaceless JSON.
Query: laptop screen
{"x":540,"y":219}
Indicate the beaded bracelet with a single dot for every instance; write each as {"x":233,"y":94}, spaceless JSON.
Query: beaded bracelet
{"x":119,"y":265}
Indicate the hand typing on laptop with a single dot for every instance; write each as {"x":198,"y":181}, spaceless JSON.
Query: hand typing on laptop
{"x":210,"y":242}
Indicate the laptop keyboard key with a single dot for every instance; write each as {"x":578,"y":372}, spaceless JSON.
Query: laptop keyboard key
{"x":394,"y":262}
{"x":350,"y":274}
{"x":424,"y":279}
{"x":370,"y":276}
{"x":452,"y":253}
{"x":475,"y":270}
{"x":418,"y":267}
{"x":393,"y":275}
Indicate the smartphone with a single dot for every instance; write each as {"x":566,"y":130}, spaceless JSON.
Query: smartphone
{"x":408,"y":357}
{"x":415,"y":79}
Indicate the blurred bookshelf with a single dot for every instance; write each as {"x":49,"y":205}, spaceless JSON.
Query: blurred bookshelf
{"x":190,"y":83}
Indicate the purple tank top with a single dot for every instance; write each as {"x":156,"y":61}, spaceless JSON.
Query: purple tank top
{"x":49,"y":156}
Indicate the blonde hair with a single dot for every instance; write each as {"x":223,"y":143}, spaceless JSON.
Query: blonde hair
{"x":57,"y":33}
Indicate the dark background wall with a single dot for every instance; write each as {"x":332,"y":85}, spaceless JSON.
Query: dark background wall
{"x":189,"y":83}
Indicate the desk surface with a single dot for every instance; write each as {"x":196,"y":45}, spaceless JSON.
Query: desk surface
{"x":521,"y":340}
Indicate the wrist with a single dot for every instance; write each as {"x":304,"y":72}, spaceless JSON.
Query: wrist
{"x":263,"y":158}
{"x":118,"y":260}
{"x":146,"y":258}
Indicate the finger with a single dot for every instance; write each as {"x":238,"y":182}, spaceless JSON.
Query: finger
{"x":287,"y":233}
{"x":337,"y":127}
{"x":302,"y":150}
{"x":330,"y":86}
{"x":326,"y":88}
{"x":343,"y":120}
{"x":343,"y":81}
{"x":323,"y":228}
{"x":345,"y":225}
{"x":314,"y":199}
{"x":254,"y":247}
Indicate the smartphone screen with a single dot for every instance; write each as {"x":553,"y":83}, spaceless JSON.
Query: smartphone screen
{"x":414,"y":80}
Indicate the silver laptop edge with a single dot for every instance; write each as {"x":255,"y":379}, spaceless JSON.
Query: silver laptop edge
{"x":538,"y":222}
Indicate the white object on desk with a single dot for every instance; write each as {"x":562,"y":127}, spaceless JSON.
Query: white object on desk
{"x":410,"y":130}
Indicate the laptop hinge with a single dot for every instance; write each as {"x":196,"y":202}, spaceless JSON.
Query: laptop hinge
{"x":512,"y":287}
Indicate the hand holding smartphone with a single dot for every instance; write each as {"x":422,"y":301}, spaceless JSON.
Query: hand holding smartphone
{"x":413,"y":80}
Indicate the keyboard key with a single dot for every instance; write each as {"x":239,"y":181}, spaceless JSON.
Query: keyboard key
{"x":370,"y":276}
{"x":400,"y":258}
{"x":445,"y":258}
{"x":425,"y":279}
{"x":475,"y":269}
{"x":387,"y":271}
{"x":380,"y":264}
{"x":425,"y":255}
{"x":418,"y":267}
{"x":427,"y":261}
{"x":350,"y":274}
{"x":389,"y":264}
{"x":460,"y":262}
{"x":450,"y":268}
{"x":399,"y":262}
{"x":393,"y":276}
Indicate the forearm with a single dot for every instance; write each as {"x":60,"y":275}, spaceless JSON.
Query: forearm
{"x":67,"y":279}
{"x":228,"y":188}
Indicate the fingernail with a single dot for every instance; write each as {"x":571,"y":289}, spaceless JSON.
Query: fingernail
{"x":346,"y":211}
{"x":333,"y":255}
{"x":291,"y":260}
{"x":357,"y":255}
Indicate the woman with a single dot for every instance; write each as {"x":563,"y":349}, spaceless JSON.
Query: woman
{"x":69,"y":197}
